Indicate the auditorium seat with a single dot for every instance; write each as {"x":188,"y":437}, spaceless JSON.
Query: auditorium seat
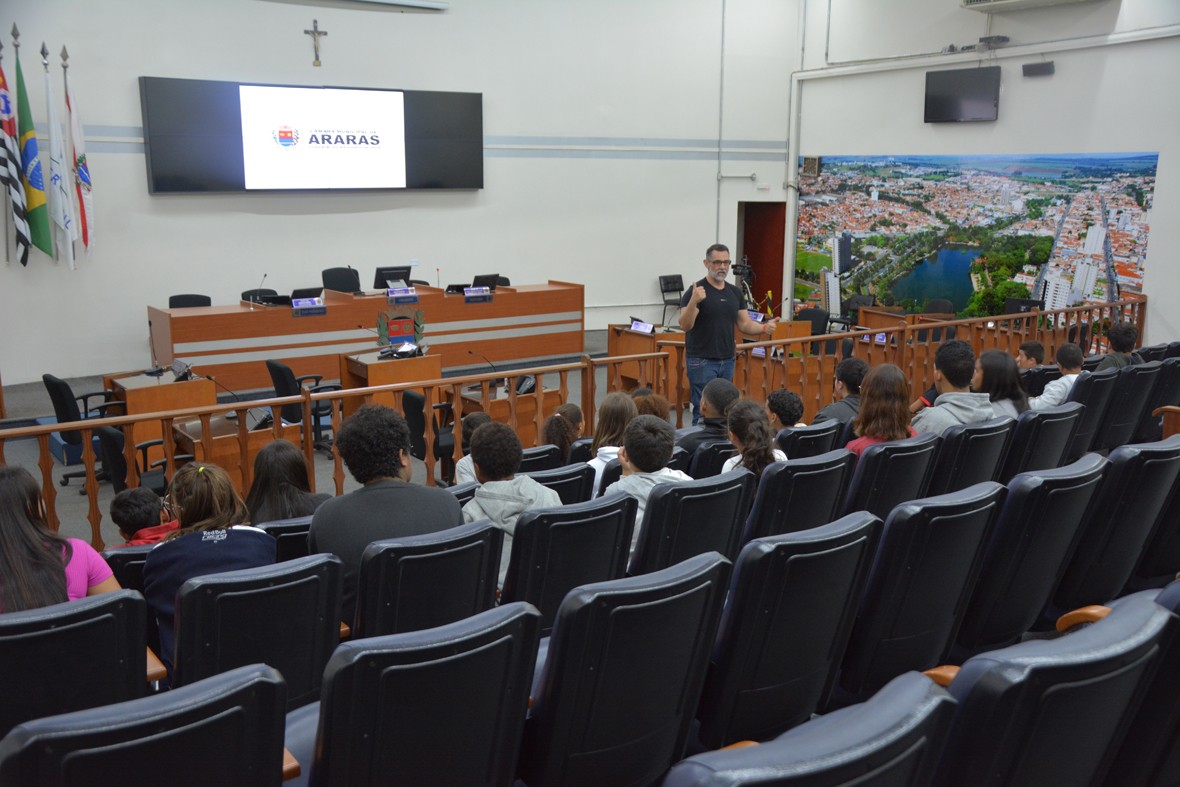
{"x":691,"y":518}
{"x":1034,"y":380}
{"x":680,"y":459}
{"x":1166,"y":392}
{"x":1033,"y":539}
{"x":1161,"y":558}
{"x":800,"y":441}
{"x":1041,"y":439}
{"x":341,"y":279}
{"x":799,"y":494}
{"x":464,"y":492}
{"x":574,"y":483}
{"x":441,"y":706}
{"x":891,"y":473}
{"x":611,"y":473}
{"x":224,"y":730}
{"x":291,"y":535}
{"x":580,"y":450}
{"x":787,"y":621}
{"x":127,"y":565}
{"x":970,"y":454}
{"x":896,"y":737}
{"x":1094,"y":390}
{"x":709,"y":457}
{"x":1156,"y":352}
{"x":557,"y":549}
{"x":1132,"y":389}
{"x":286,"y":615}
{"x":541,"y":457}
{"x":614,"y":698}
{"x":419,"y":582}
{"x":926,"y":567}
{"x":188,"y":301}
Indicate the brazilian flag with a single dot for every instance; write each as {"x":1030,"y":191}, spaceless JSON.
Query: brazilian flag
{"x":31,"y":174}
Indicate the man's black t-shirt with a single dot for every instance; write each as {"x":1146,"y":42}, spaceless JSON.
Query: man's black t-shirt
{"x":712,"y":334}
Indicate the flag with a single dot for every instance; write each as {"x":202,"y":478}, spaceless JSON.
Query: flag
{"x":10,"y":170}
{"x":31,"y":176}
{"x":59,"y":194}
{"x":76,"y":148}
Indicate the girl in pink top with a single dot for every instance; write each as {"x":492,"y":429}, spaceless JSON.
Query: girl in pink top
{"x":884,"y":409}
{"x":37,"y":566}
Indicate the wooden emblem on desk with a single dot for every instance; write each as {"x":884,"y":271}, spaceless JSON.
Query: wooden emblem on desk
{"x":400,"y":324}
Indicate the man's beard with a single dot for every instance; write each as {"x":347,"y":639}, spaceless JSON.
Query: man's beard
{"x":719,"y":275}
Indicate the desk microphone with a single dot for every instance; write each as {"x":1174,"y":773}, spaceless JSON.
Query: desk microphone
{"x":254,"y":296}
{"x":489,"y":363}
{"x":370,"y":330}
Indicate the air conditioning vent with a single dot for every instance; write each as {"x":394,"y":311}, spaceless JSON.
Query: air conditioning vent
{"x":998,"y":6}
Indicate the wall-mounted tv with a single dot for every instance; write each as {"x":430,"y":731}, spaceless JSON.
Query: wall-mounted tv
{"x":962,"y":95}
{"x":206,"y":136}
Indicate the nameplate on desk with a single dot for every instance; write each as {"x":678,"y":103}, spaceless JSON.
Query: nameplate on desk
{"x":397,"y":295}
{"x":307,"y":307}
{"x":878,"y":338}
{"x":639,"y":326}
{"x":477,"y":294}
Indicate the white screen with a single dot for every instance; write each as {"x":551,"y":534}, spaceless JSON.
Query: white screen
{"x":322,"y":138}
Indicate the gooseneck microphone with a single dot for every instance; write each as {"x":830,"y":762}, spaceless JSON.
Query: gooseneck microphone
{"x":254,"y":296}
{"x":484,"y":358}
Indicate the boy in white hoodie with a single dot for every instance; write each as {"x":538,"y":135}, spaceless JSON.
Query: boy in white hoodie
{"x":646,"y":450}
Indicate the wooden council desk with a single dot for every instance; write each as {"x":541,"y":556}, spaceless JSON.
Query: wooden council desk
{"x":360,"y":370}
{"x":528,"y":324}
{"x":143,"y":394}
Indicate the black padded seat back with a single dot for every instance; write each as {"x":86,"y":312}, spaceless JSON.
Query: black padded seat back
{"x":464,"y":492}
{"x":1158,"y":565}
{"x":888,"y":474}
{"x":65,"y":406}
{"x":1156,"y":352}
{"x":611,"y":473}
{"x":616,"y":696}
{"x":800,"y":441}
{"x":290,"y":536}
{"x":970,"y":454}
{"x":541,"y":457}
{"x":258,"y":294}
{"x":555,"y":550}
{"x":691,"y":518}
{"x":1133,"y":388}
{"x":895,"y":738}
{"x":1022,"y":707}
{"x":1034,"y":380}
{"x":188,"y":300}
{"x":70,"y":656}
{"x":709,"y":457}
{"x":285,"y":384}
{"x":680,"y":459}
{"x":1093,"y":389}
{"x":444,"y":705}
{"x":127,"y":563}
{"x":1041,"y":439}
{"x":341,"y":279}
{"x":785,"y":625}
{"x":1173,"y":350}
{"x":1121,"y":521}
{"x":225,"y":730}
{"x":419,"y":582}
{"x":1034,"y":537}
{"x":573,"y":483}
{"x":580,"y":450}
{"x":921,"y":581}
{"x":1165,"y":392}
{"x":286,"y":615}
{"x":799,"y":494}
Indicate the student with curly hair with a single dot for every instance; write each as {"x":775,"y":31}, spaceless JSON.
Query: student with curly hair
{"x":751,"y":434}
{"x":562,"y":429}
{"x":465,"y":468}
{"x":884,"y":413}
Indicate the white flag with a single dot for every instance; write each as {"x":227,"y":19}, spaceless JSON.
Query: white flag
{"x":57,"y":192}
{"x":76,"y":148}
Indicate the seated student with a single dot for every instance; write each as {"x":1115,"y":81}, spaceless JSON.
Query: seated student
{"x":997,"y":376}
{"x":653,"y":404}
{"x":1122,"y":337}
{"x":716,"y":399}
{"x":849,"y":374}
{"x":615,"y":412}
{"x":646,"y":451}
{"x":464,"y":468}
{"x":139,"y":514}
{"x":281,"y":488}
{"x":213,"y":537}
{"x":785,"y":408}
{"x":884,"y":414}
{"x":562,"y":429}
{"x":751,"y":434}
{"x":1069,"y":361}
{"x":502,"y":495}
{"x":37,"y":566}
{"x":1030,"y":355}
{"x":954,"y":364}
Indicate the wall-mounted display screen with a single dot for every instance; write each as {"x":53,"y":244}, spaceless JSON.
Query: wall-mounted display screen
{"x":205,"y":136}
{"x":962,"y":95}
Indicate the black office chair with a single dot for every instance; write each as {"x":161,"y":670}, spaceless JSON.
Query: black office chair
{"x":896,"y":737}
{"x":286,"y":615}
{"x":787,"y":620}
{"x":1041,"y":439}
{"x":671,"y":291}
{"x":615,"y":642}
{"x":70,"y":656}
{"x":541,"y":457}
{"x":287,"y":384}
{"x":66,"y":410}
{"x":799,"y":494}
{"x":555,"y":550}
{"x":414,"y":408}
{"x":290,"y":536}
{"x":800,"y":441}
{"x":1166,"y":392}
{"x":888,"y":474}
{"x":574,"y":483}
{"x":1133,"y":388}
{"x":709,"y":457}
{"x":465,"y":492}
{"x":225,"y":730}
{"x":188,"y":300}
{"x":341,"y":279}
{"x":256,"y":295}
{"x":442,"y":706}
{"x":114,"y":461}
{"x":926,"y":567}
{"x":419,"y":582}
{"x":970,"y":454}
{"x":580,"y":450}
{"x":819,"y":326}
{"x":503,"y":281}
{"x":691,"y":518}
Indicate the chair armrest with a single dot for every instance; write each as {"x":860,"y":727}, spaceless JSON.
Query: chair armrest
{"x":178,"y":459}
{"x":315,"y":378}
{"x":739,"y":745}
{"x":1082,"y":615}
{"x":326,"y":387}
{"x":943,"y":674}
{"x":101,"y":408}
{"x":84,"y":399}
{"x":155,"y":668}
{"x":291,"y":767}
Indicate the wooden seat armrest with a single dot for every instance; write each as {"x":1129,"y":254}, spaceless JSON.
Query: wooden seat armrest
{"x":739,"y":745}
{"x":943,"y":674}
{"x":291,"y":767}
{"x":1090,"y":614}
{"x":155,"y":668}
{"x":345,"y":630}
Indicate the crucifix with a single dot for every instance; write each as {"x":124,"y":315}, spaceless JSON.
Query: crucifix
{"x":315,"y":34}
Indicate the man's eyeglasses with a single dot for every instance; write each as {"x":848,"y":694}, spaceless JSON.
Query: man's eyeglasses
{"x":720,"y":263}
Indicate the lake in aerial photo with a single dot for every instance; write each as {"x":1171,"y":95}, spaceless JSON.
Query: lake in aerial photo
{"x":947,"y":276}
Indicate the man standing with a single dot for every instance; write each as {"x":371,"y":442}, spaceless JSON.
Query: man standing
{"x":709,"y":311}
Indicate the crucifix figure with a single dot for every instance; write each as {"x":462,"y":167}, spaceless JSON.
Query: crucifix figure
{"x":315,"y":34}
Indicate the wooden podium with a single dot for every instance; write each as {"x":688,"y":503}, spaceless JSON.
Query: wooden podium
{"x":143,"y":394}
{"x":361,"y":370}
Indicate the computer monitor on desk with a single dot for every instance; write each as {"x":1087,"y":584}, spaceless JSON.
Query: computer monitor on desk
{"x":488,"y":280}
{"x":390,"y":276}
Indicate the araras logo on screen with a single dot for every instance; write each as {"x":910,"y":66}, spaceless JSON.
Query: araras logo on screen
{"x":286,"y":136}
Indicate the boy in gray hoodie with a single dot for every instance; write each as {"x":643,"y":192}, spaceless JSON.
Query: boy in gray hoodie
{"x":503,"y":495}
{"x":646,"y":450}
{"x":954,"y":363}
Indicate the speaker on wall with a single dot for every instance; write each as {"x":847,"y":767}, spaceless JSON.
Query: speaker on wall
{"x":1042,"y":69}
